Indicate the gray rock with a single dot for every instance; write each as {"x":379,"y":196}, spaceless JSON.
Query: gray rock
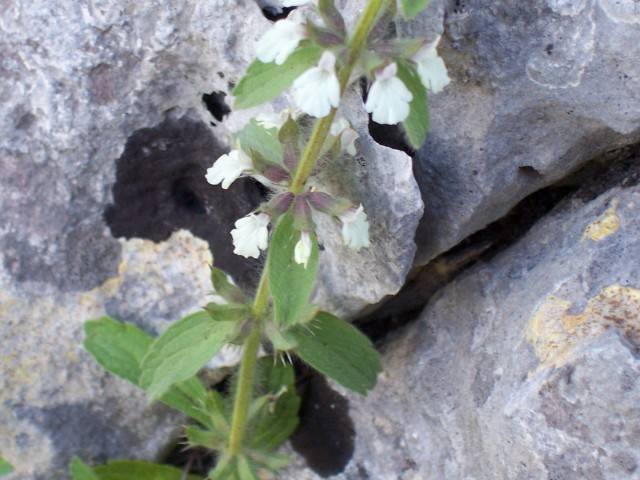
{"x":525,"y":367}
{"x":80,"y":88}
{"x":382,"y":180}
{"x":538,"y":88}
{"x":105,"y":143}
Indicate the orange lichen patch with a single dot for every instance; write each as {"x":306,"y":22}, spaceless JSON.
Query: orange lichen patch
{"x":555,"y":334}
{"x":604,"y":225}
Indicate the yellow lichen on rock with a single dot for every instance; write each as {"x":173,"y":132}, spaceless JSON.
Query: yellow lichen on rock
{"x":555,"y":334}
{"x":605,"y":225}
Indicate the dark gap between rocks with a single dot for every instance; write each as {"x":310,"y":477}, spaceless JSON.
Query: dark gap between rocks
{"x":325,"y":436}
{"x":617,"y":168}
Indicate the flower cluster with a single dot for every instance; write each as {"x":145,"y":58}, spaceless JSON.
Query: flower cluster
{"x":251,"y":233}
{"x":317,"y":90}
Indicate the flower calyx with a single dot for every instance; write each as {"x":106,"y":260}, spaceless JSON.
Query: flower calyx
{"x":273,"y":172}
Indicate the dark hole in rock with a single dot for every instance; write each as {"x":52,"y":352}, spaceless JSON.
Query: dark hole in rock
{"x":529,"y":171}
{"x":216,"y":105}
{"x":160,"y":188}
{"x":325,"y":436}
{"x":274,"y":13}
{"x":483,"y":245}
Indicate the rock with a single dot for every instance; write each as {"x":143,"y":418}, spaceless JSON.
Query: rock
{"x":102,"y":116}
{"x":538,"y":88}
{"x":382,"y":180}
{"x":106,"y":138}
{"x":526,"y":366}
{"x":56,"y":400}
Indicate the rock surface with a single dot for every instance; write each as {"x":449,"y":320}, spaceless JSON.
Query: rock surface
{"x":106,"y":135}
{"x":526,"y":366}
{"x":538,"y":88}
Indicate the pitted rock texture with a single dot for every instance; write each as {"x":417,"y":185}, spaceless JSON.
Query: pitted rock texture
{"x":523,"y":367}
{"x":538,"y":88}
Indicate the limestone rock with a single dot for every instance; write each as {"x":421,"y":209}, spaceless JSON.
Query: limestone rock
{"x":524,"y":367}
{"x":538,"y":88}
{"x":56,"y":400}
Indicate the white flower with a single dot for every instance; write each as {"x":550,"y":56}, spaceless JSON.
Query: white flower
{"x":348,"y":135}
{"x":431,"y":67}
{"x":318,"y":89}
{"x":228,"y":168}
{"x":251,"y":235}
{"x":278,"y":43}
{"x":388,"y":98}
{"x":302,"y":250}
{"x":355,"y":228}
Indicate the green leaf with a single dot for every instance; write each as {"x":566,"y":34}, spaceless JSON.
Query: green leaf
{"x":225,"y":288}
{"x":417,"y":123}
{"x":265,"y":81}
{"x":271,"y":461}
{"x":5,"y":467}
{"x":227,"y":312}
{"x":81,"y":471}
{"x":225,"y":468}
{"x":291,"y":283}
{"x":245,"y":469}
{"x":183,"y":349}
{"x":120,"y":347}
{"x":340,"y":351}
{"x":205,"y":438}
{"x":411,"y":8}
{"x":260,"y":140}
{"x":215,"y":408}
{"x":277,"y":422}
{"x":139,"y":470}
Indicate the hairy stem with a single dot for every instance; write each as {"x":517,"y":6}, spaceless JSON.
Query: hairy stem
{"x":307,"y":162}
{"x":244,"y":391}
{"x":322,"y":127}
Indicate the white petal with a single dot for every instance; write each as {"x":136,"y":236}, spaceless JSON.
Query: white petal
{"x":388,"y":99}
{"x":431,"y":68}
{"x":302,"y":250}
{"x":318,"y":89}
{"x":355,"y":228}
{"x":228,"y":168}
{"x":279,"y":42}
{"x":251,"y":235}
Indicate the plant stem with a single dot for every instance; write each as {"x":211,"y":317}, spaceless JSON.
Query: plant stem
{"x":322,"y":127}
{"x":244,"y":391}
{"x":307,"y":162}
